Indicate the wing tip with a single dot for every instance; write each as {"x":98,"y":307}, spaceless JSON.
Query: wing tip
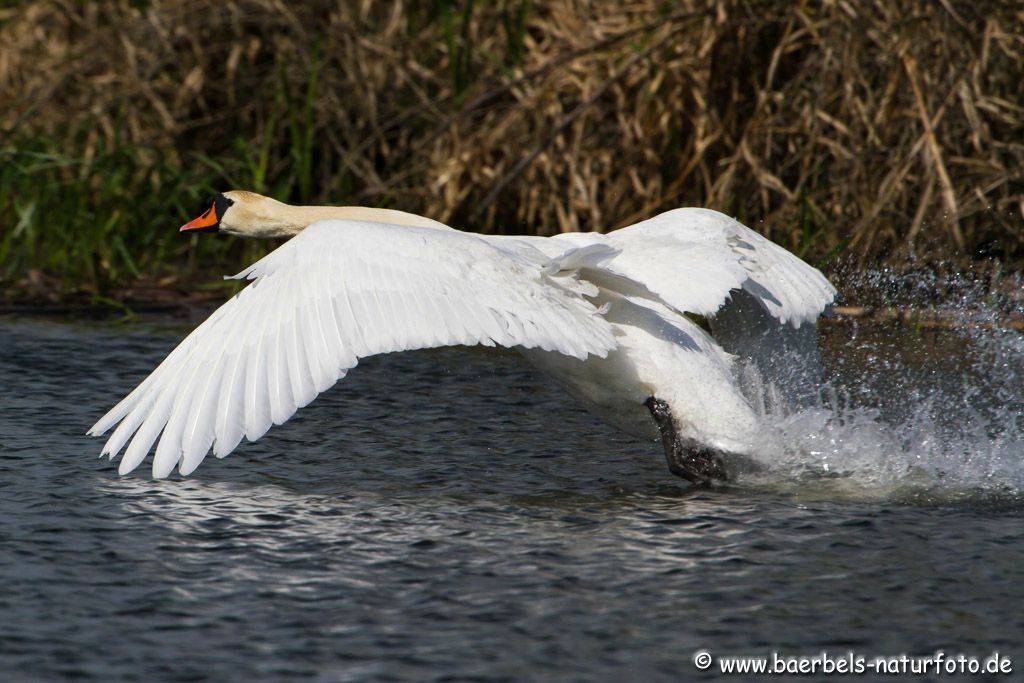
{"x":100,"y":427}
{"x":125,"y":468}
{"x":188,"y":466}
{"x":162,"y":470}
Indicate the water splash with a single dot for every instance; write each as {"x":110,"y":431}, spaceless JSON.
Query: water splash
{"x":922,"y":414}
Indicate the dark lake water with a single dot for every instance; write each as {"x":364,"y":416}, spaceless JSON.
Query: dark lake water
{"x":450,"y":515}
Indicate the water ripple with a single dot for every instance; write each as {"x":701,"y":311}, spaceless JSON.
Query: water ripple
{"x":449,"y":516}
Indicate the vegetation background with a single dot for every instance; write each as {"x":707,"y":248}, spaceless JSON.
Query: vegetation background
{"x":852,"y":132}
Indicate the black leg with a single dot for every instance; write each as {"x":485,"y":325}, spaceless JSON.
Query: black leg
{"x":689,"y":461}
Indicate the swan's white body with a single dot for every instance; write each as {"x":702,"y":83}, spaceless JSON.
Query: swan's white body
{"x":604,"y":314}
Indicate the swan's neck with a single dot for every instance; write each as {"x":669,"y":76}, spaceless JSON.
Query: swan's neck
{"x":275,"y":220}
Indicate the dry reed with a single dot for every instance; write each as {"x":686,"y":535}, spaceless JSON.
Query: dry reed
{"x":881,"y":129}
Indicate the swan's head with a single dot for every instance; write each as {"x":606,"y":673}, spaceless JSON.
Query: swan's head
{"x":245,"y":214}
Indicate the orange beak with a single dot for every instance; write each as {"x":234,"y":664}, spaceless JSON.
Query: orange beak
{"x":208,"y":221}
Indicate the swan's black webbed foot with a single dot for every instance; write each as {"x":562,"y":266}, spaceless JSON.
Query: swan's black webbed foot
{"x":687,"y":460}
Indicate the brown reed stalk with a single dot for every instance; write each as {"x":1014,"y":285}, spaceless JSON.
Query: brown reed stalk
{"x":884,"y":129}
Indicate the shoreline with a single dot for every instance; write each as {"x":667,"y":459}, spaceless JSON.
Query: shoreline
{"x":172,"y":303}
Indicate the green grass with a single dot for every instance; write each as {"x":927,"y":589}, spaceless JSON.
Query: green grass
{"x":101,"y":215}
{"x":95,"y":214}
{"x":476,"y":94}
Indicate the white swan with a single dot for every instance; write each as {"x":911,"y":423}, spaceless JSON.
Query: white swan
{"x":606,"y":315}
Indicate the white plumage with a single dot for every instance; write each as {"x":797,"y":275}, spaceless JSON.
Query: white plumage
{"x":605,"y":314}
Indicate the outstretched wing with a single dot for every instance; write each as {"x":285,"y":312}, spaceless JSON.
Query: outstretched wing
{"x":693,"y":258}
{"x":761,"y":300}
{"x":340,"y":291}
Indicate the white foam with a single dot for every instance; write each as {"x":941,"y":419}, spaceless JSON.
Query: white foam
{"x":915,"y":414}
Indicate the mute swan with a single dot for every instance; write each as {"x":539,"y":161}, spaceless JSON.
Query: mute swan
{"x":608,"y":315}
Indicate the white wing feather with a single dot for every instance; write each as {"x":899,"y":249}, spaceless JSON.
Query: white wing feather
{"x":337,"y":292}
{"x":693,"y":258}
{"x":756,"y":295}
{"x":701,"y":253}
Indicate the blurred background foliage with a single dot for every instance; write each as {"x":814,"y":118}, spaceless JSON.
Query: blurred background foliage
{"x":851,"y":132}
